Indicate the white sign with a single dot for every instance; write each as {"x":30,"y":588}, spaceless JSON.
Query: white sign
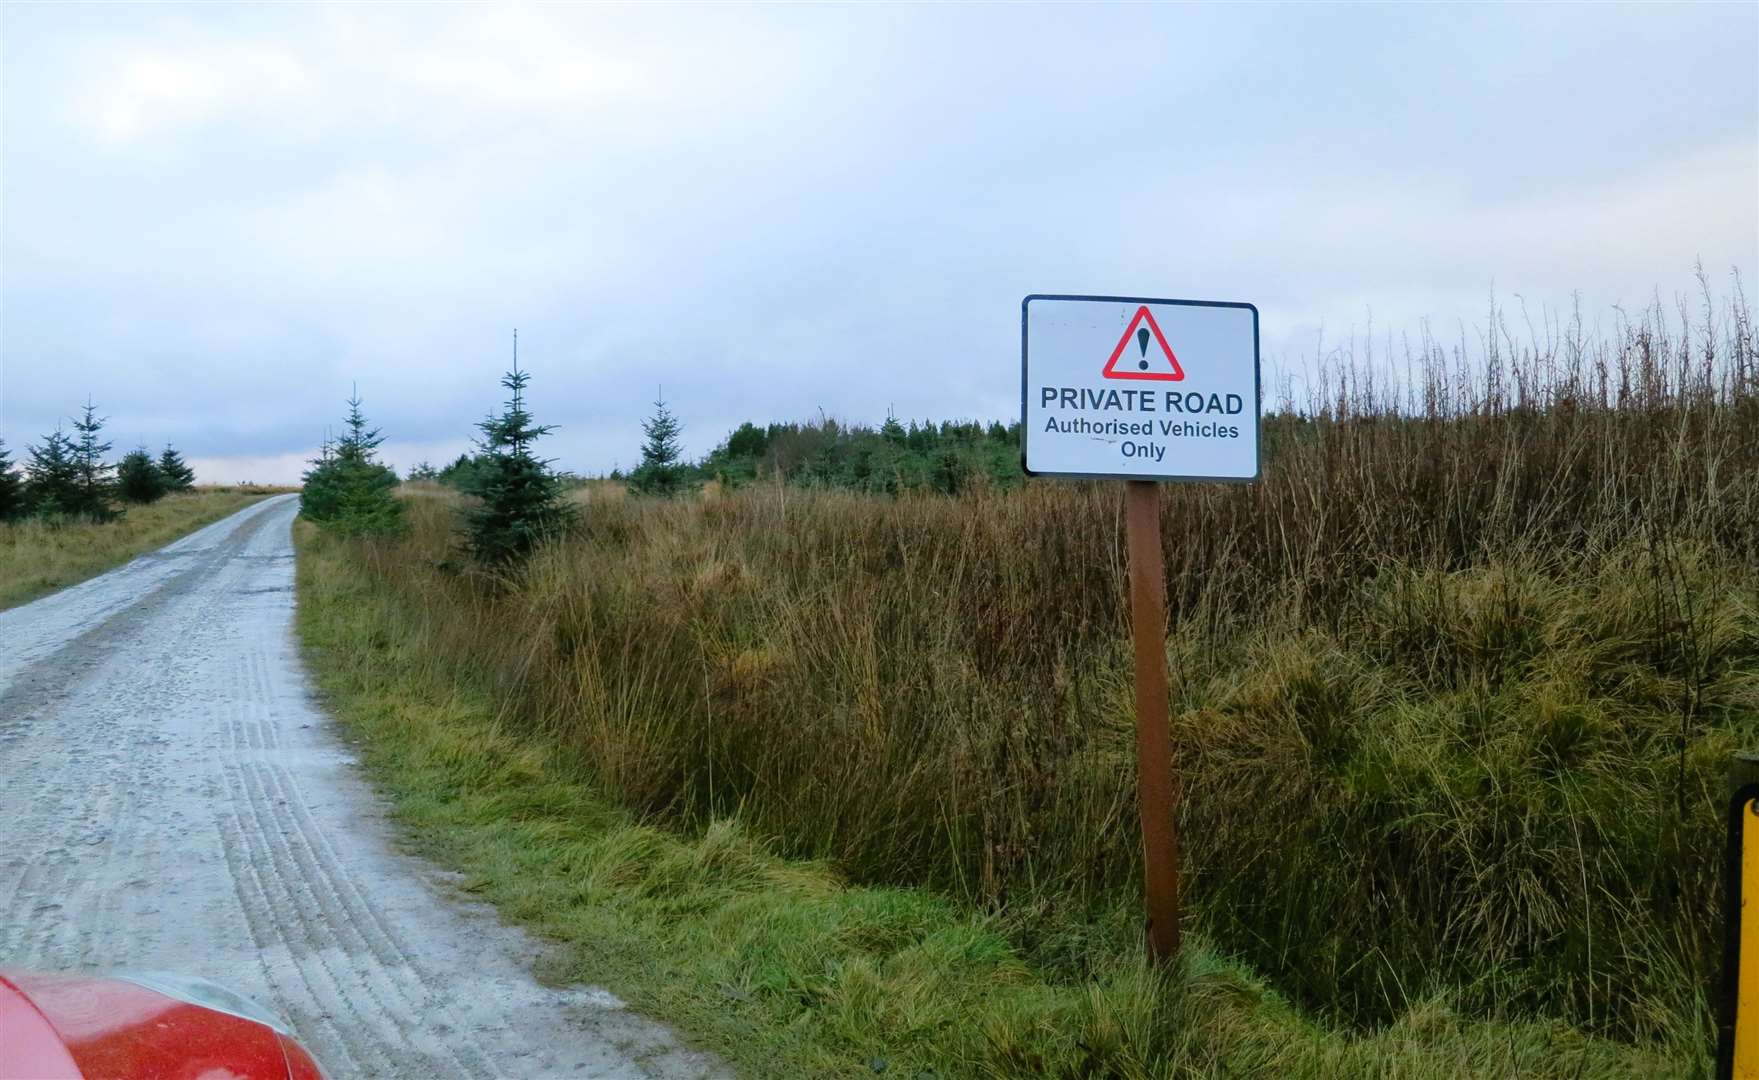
{"x":1134,"y":389}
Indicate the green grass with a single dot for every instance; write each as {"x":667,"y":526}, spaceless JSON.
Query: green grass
{"x":1454,"y":691}
{"x":1491,"y":783}
{"x":786,"y":969}
{"x":36,"y":559}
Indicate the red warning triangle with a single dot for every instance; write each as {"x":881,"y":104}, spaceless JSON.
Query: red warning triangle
{"x":1150,"y":355}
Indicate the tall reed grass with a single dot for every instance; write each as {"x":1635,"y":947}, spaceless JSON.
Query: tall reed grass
{"x":1453,"y":685}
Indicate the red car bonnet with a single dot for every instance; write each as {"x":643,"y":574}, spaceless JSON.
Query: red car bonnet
{"x":29,"y":1046}
{"x":54,"y":1027}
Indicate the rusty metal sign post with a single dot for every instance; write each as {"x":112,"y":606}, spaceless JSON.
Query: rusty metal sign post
{"x":1144,"y":391}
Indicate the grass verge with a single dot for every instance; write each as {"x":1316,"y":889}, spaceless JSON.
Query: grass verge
{"x":785,"y":969}
{"x":36,"y":559}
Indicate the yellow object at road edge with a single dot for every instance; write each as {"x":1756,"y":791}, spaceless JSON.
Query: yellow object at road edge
{"x":1746,"y":1050}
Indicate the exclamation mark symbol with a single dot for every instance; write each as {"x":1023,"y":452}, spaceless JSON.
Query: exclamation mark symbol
{"x":1142,"y":344}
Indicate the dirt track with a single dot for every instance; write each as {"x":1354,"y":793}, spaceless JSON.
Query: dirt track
{"x":171,"y":799}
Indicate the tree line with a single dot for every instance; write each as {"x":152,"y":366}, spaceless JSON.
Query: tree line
{"x":663,"y":470}
{"x":518,"y":498}
{"x":947,"y":457}
{"x":70,"y":477}
{"x":897,"y":457}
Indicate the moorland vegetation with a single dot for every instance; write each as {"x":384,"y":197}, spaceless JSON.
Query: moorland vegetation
{"x":67,"y":479}
{"x":1454,"y":686}
{"x":70,"y":512}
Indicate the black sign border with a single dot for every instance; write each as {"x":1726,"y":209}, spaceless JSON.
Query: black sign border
{"x":1257,"y":391}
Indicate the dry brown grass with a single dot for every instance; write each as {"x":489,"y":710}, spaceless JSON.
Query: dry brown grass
{"x":788,"y":970}
{"x":1453,"y":685}
{"x":37,"y":558}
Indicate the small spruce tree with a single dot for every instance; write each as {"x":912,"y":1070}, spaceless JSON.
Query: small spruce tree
{"x":459,"y":472}
{"x":176,"y":475}
{"x":95,"y":479}
{"x":949,"y":473}
{"x":660,"y":472}
{"x":138,"y":479}
{"x":51,"y":477}
{"x":12,"y":501}
{"x":520,"y":500}
{"x":347,"y":488}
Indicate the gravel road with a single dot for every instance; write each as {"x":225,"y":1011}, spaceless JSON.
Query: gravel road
{"x":172,"y":799}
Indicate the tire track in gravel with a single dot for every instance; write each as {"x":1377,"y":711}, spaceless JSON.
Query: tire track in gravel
{"x":421,"y":993}
{"x":171,"y":798}
{"x":86,"y":649}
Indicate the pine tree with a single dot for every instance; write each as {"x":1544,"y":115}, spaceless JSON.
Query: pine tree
{"x":348,"y":488}
{"x":949,"y":473}
{"x":138,"y":479}
{"x":360,"y":443}
{"x":659,"y":472}
{"x":95,"y":482}
{"x":51,"y":477}
{"x":12,"y":501}
{"x":458,"y":474}
{"x":520,"y":499}
{"x":176,"y":475}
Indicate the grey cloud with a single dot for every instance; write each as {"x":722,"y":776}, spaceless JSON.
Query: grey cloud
{"x":217,"y":219}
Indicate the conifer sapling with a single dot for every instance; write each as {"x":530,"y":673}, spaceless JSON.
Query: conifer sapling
{"x":348,"y":488}
{"x":659,"y":472}
{"x":12,"y":503}
{"x":94,"y":478}
{"x":137,"y":477}
{"x":520,"y":501}
{"x":176,"y":475}
{"x":51,"y":478}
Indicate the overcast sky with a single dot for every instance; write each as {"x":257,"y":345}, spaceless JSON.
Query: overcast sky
{"x":216,"y":219}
